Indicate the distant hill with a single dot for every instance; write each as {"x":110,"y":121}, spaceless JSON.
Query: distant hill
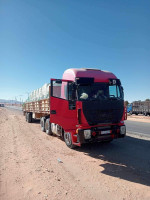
{"x":9,"y":101}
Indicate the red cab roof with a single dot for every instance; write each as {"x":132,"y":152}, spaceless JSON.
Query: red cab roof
{"x":98,"y":75}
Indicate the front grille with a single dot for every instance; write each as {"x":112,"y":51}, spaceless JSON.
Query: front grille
{"x":103,"y":112}
{"x":100,"y":116}
{"x":105,"y":115}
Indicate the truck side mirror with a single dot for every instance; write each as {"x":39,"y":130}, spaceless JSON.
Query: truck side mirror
{"x":72,"y":96}
{"x":122,"y":91}
{"x":58,"y":81}
{"x":72,"y":92}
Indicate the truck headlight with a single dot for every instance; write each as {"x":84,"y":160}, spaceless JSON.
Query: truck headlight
{"x":123,"y":130}
{"x":87,"y":134}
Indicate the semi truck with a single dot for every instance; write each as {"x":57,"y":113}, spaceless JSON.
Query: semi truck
{"x":86,"y":105}
{"x":139,"y":107}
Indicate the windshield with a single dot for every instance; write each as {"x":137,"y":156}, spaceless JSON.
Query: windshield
{"x":99,"y":91}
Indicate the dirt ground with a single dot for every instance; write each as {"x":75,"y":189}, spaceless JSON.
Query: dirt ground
{"x":139,"y":118}
{"x":30,"y":166}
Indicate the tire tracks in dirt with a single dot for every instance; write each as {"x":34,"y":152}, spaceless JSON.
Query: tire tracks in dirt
{"x":30,"y":170}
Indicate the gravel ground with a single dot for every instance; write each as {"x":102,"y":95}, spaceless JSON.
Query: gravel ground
{"x":36,"y":166}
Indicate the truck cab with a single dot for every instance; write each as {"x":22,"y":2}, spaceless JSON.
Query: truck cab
{"x":87,"y":105}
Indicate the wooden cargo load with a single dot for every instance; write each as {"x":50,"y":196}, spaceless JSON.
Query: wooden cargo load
{"x":39,"y":107}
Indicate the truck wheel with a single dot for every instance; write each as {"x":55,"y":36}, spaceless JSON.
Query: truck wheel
{"x":29,"y":117}
{"x":145,"y":113}
{"x":68,"y":140}
{"x":26,"y":115}
{"x":42,"y":122}
{"x":48,"y":127}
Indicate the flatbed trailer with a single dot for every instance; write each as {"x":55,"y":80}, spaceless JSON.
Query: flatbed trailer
{"x":141,"y":107}
{"x":38,"y":109}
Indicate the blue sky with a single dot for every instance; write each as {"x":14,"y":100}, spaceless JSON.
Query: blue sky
{"x":39,"y":39}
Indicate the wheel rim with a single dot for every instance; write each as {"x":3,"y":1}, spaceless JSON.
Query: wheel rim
{"x":68,"y":138}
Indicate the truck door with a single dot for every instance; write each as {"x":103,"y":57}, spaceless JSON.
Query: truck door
{"x":62,"y":109}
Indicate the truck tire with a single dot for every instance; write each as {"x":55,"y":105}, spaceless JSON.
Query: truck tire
{"x":26,"y":116}
{"x":29,"y":117}
{"x":48,"y":127}
{"x":68,"y":140}
{"x":42,"y":122}
{"x":145,"y":113}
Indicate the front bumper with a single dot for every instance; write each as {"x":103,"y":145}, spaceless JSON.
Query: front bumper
{"x":115,"y":132}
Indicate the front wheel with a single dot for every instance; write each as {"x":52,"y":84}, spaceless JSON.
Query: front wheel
{"x":68,"y":140}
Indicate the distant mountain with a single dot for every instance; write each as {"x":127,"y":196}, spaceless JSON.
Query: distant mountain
{"x":9,"y":101}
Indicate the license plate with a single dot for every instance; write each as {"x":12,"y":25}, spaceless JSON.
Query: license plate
{"x":105,"y":132}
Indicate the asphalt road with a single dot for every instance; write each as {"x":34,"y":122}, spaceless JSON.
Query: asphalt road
{"x":138,"y":128}
{"x":14,"y":107}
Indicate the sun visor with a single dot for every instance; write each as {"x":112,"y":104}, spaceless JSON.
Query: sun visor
{"x":84,"y":81}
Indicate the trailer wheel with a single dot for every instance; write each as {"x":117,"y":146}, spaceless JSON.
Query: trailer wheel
{"x":42,"y":122}
{"x":48,"y":127}
{"x":26,"y":116}
{"x":145,"y":113}
{"x":29,"y":117}
{"x":68,"y":140}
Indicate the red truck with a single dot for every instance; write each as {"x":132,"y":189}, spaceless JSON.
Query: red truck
{"x":86,"y":105}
